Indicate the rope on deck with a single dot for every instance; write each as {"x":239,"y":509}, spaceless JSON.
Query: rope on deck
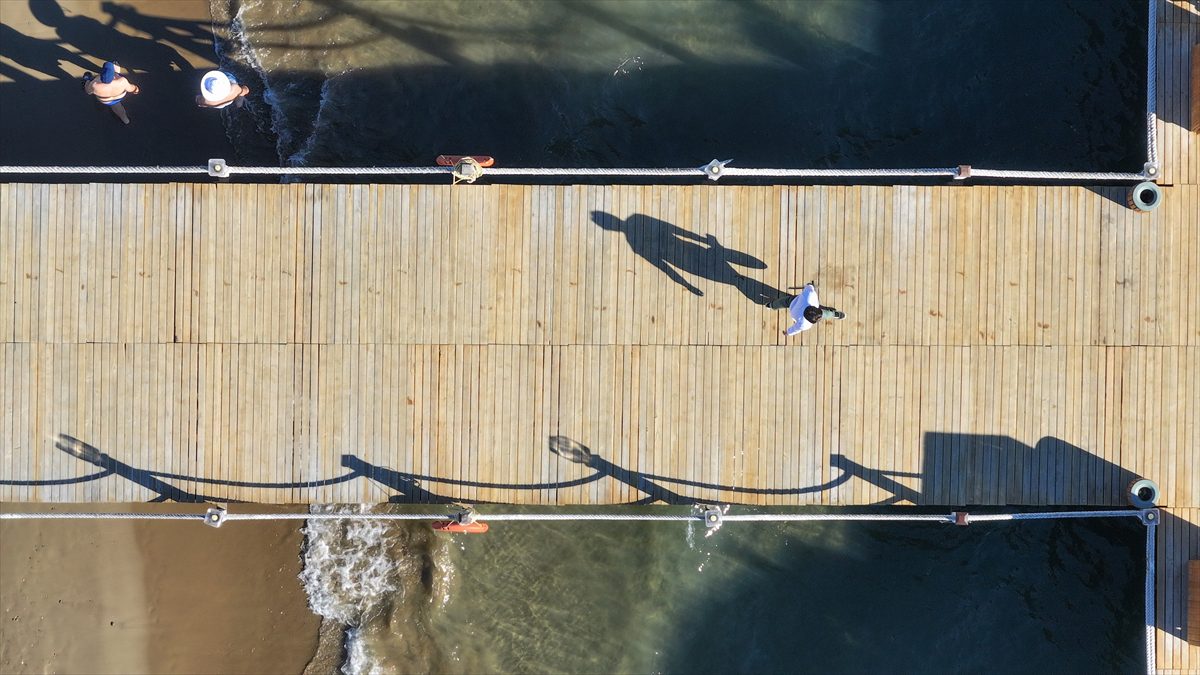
{"x":956,"y":173}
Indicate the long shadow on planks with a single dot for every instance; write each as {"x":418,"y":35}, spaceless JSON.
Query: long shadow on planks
{"x":958,"y":470}
{"x":672,"y":249}
{"x":154,"y":481}
{"x":413,"y":488}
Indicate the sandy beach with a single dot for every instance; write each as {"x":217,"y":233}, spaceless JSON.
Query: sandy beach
{"x":152,"y":597}
{"x":47,"y":45}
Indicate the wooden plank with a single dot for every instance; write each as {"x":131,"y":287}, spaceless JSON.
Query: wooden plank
{"x":8,"y":260}
{"x":37,"y":279}
{"x":24,"y":253}
{"x":50,"y":314}
{"x":1193,"y":598}
{"x":70,"y":264}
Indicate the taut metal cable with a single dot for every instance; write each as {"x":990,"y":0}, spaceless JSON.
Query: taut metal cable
{"x":583,"y":517}
{"x":227,"y":170}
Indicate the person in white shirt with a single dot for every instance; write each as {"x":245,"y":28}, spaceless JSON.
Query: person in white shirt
{"x":805,"y":309}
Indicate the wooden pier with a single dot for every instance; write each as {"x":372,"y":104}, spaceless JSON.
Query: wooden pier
{"x":322,"y":343}
{"x":601,"y":345}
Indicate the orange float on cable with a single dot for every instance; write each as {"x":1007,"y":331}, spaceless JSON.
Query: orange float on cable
{"x":464,"y":521}
{"x":451,"y":160}
{"x":467,"y":528}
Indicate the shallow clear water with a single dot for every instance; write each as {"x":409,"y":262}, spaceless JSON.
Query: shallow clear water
{"x":1038,"y":596}
{"x":1022,"y":84}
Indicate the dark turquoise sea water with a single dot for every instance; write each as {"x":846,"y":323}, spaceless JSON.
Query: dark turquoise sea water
{"x":1028,"y":597}
{"x":1018,"y":84}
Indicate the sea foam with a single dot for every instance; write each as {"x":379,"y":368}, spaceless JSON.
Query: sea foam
{"x":349,"y":570}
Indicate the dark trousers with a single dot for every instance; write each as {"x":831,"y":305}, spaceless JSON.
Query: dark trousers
{"x":782,"y":302}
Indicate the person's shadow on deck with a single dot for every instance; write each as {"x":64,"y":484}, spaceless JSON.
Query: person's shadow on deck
{"x":672,"y":250}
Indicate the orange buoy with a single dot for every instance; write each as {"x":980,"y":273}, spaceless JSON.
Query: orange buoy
{"x":474,"y":527}
{"x":451,"y":160}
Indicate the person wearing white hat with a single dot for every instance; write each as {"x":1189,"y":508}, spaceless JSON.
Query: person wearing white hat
{"x":218,"y":89}
{"x":805,"y":309}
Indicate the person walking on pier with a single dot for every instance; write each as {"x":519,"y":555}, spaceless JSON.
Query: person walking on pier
{"x":219,"y":89}
{"x":110,"y":88}
{"x":806,"y":310}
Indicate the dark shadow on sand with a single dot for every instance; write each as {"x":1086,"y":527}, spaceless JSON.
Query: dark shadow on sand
{"x":52,"y":122}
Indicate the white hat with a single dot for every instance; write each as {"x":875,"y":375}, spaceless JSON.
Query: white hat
{"x":215,"y":86}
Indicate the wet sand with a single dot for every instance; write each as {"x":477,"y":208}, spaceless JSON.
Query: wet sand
{"x":152,"y":596}
{"x":47,"y":45}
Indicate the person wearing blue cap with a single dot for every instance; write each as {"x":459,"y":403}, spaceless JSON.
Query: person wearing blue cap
{"x":219,"y":89}
{"x":110,"y":88}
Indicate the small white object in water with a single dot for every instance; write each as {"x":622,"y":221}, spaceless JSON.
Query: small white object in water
{"x":633,"y":61}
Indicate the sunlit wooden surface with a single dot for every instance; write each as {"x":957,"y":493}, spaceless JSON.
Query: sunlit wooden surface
{"x":1004,"y":345}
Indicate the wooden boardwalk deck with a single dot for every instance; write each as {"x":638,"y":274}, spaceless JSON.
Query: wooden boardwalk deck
{"x":281,"y":343}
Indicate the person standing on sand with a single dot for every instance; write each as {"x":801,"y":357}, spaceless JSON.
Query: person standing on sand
{"x":219,"y":89}
{"x":805,"y":309}
{"x":110,"y":88}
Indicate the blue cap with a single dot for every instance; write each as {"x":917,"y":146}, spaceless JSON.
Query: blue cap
{"x":109,"y":72}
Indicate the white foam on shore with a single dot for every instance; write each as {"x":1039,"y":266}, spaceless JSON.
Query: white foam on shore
{"x":246,"y":54}
{"x":239,"y":47}
{"x":381,"y":580}
{"x":359,"y":660}
{"x":300,"y":156}
{"x":349,"y":570}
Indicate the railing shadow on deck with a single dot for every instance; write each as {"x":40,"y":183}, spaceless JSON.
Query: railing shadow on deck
{"x":958,"y":470}
{"x":969,"y":469}
{"x":410,"y":487}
